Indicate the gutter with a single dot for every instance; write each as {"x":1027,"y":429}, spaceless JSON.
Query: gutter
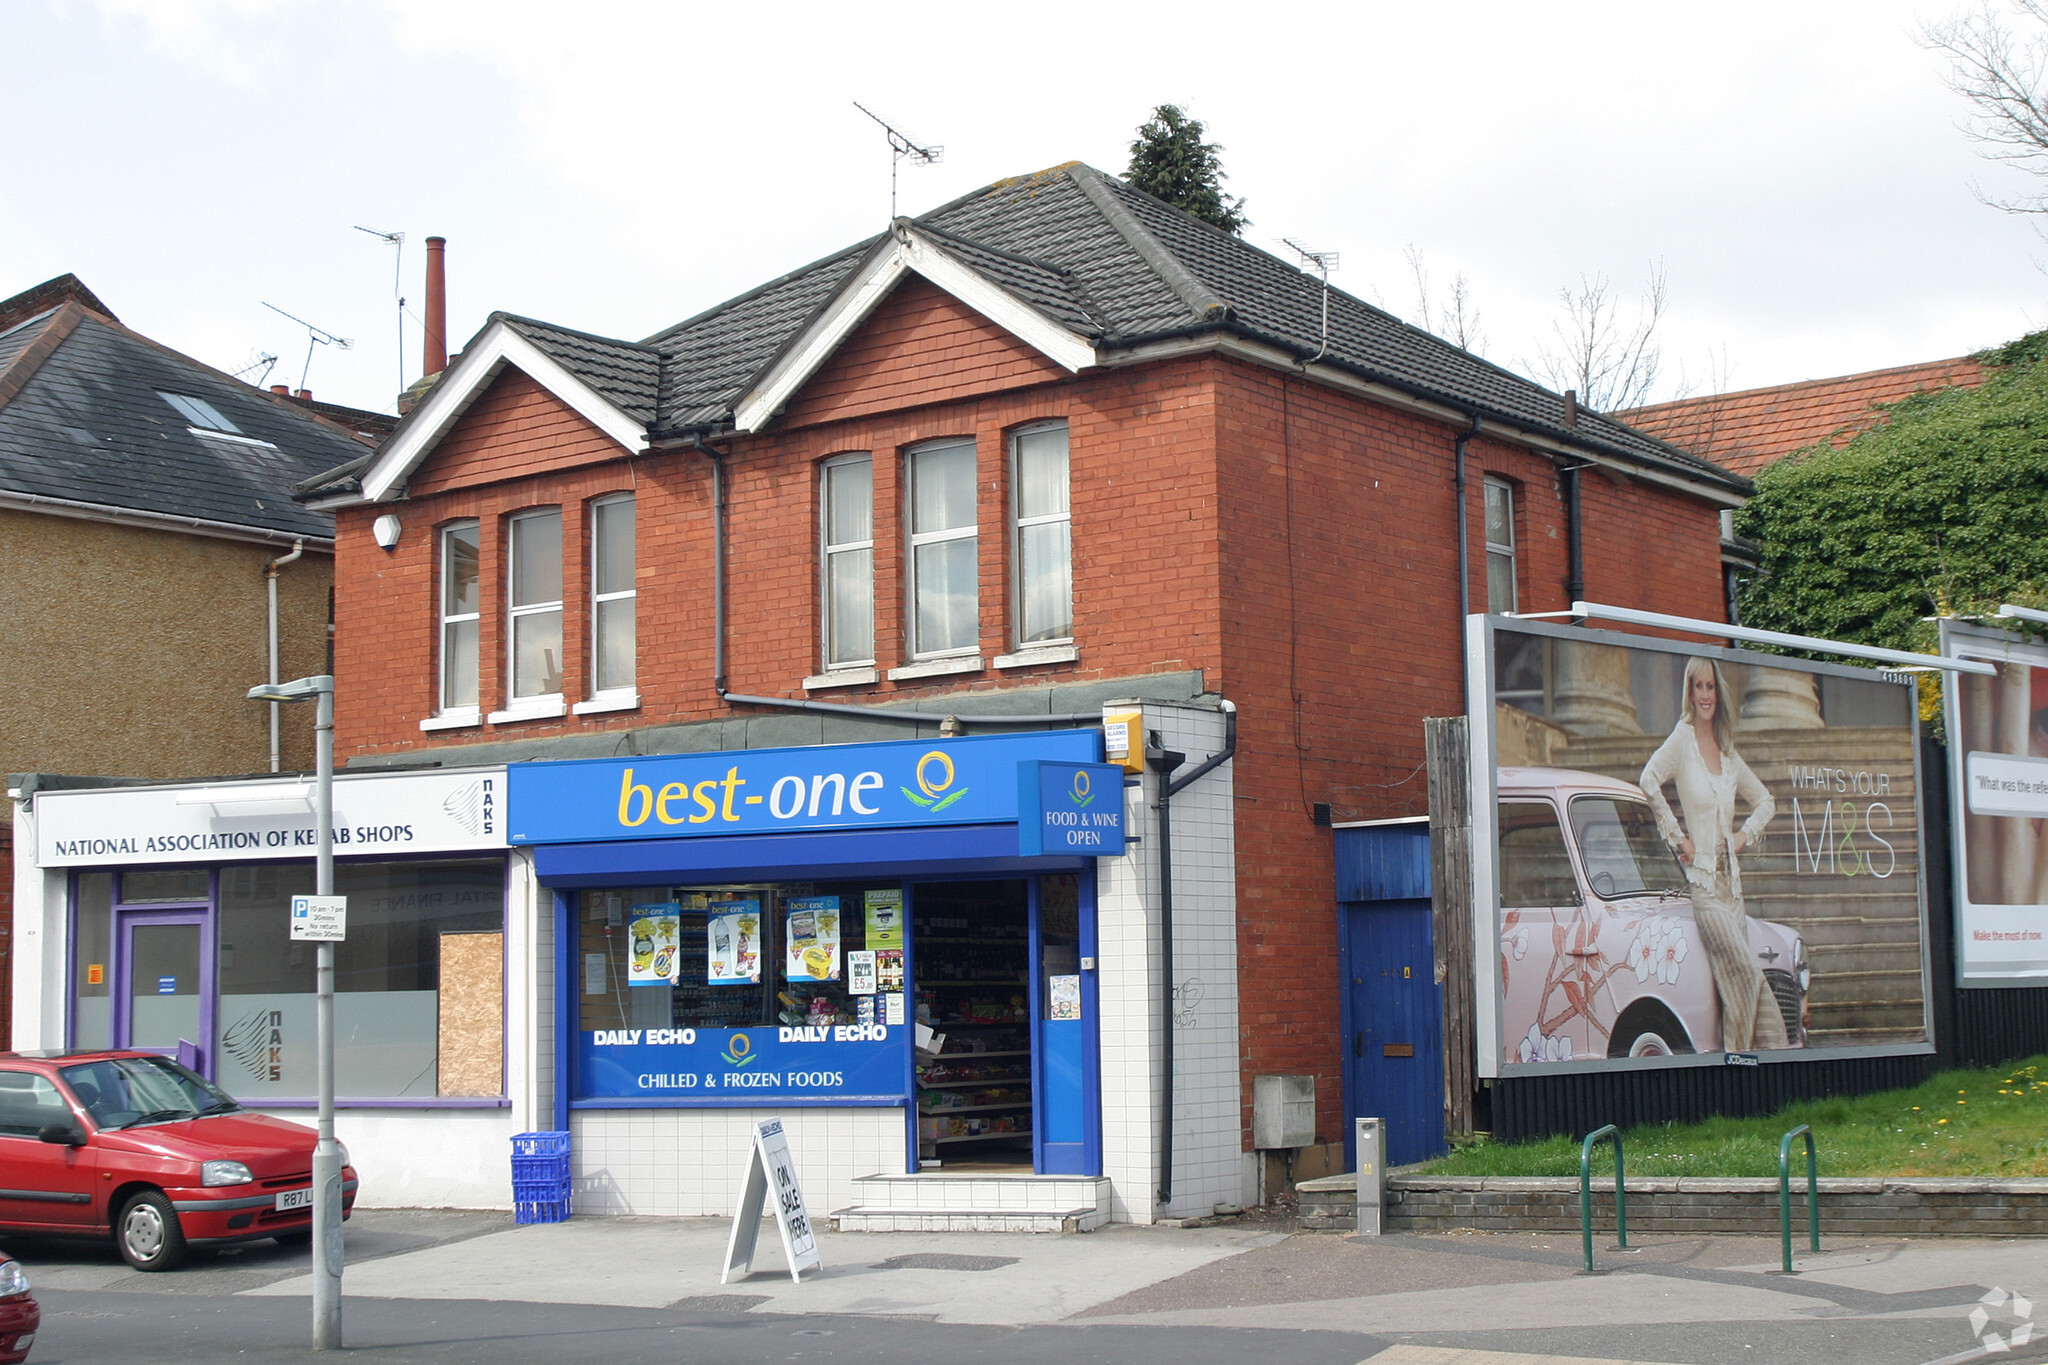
{"x":160,"y":521}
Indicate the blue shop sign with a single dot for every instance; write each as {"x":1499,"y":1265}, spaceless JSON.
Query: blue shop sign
{"x":838,"y":1062}
{"x":1070,"y":808}
{"x":901,"y":783}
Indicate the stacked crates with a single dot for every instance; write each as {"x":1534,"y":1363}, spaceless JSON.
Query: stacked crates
{"x":540,"y":1177}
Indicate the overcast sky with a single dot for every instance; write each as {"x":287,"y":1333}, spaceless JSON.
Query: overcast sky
{"x":617,"y":167}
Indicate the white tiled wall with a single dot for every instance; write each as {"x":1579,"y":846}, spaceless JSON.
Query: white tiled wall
{"x":1208,"y":1165}
{"x":684,"y":1162}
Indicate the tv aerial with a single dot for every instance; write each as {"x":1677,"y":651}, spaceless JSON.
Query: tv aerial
{"x":1322,"y":262}
{"x":264,"y":360}
{"x":900,"y":146}
{"x":397,"y":241}
{"x":315,"y":336}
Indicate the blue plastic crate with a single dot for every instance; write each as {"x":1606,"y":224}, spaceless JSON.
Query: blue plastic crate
{"x":541,"y":1191}
{"x":540,"y":1144}
{"x":541,"y":1210}
{"x":532,"y":1168}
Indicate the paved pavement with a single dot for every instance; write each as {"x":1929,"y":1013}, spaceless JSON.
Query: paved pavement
{"x":449,"y":1286}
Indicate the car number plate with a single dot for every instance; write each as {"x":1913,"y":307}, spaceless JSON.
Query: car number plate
{"x":295,"y":1199}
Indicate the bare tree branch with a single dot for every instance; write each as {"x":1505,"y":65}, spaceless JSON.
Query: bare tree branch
{"x":2003,"y":75}
{"x":1611,"y":360}
{"x":1458,"y":320}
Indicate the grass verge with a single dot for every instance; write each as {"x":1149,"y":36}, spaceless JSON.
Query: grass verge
{"x":1991,"y":1122}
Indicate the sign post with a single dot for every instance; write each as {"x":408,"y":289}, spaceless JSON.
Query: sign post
{"x":770,"y":1170}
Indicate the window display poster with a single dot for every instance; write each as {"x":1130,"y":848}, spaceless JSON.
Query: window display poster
{"x":889,"y":969}
{"x":885,"y":919}
{"x":733,"y":952}
{"x":892,"y":1006}
{"x":1064,"y":1000}
{"x":657,"y":931}
{"x":811,"y":938}
{"x":860,"y":973}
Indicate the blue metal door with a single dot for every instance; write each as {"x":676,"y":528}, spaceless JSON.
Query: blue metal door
{"x":1396,"y":1043}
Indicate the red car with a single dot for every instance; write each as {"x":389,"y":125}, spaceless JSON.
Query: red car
{"x":133,"y":1145}
{"x":19,"y":1316}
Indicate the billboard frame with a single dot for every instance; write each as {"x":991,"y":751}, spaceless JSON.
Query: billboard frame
{"x":1493,"y":1049}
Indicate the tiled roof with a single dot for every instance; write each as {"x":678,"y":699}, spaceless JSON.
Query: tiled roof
{"x":83,"y":421}
{"x":1107,"y":262}
{"x":1751,"y":428}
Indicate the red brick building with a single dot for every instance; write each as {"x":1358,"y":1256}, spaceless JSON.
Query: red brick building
{"x":1050,"y":446}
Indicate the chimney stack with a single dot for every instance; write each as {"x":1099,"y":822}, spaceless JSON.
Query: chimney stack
{"x":437,"y":307}
{"x":1571,"y":407}
{"x":284,"y":389}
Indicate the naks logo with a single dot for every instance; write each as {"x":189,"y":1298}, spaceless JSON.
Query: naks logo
{"x":740,"y":1051}
{"x":936,"y":798}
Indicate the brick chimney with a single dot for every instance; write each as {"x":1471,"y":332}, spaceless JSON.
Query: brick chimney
{"x":437,"y":307}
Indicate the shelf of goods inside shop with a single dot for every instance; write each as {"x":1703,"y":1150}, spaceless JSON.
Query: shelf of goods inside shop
{"x":540,"y":1177}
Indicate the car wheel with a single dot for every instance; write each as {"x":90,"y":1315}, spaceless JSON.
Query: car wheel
{"x":148,"y":1233}
{"x":1647,"y":1029}
{"x":1649,"y":1045}
{"x":301,"y":1238}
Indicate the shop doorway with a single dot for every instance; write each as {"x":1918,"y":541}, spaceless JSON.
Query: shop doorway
{"x":1006,"y":1080}
{"x":1392,"y":1008}
{"x":163,"y":982}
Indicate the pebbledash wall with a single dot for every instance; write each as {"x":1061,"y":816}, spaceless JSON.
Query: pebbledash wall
{"x":226,"y":856}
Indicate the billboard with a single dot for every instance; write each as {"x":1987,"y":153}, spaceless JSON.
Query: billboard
{"x":1688,"y":854}
{"x":1998,"y":770}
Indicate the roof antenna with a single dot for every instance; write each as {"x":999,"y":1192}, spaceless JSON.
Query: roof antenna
{"x":264,"y":359}
{"x":315,"y":336}
{"x":901,"y":146}
{"x":397,"y":240}
{"x":1322,"y":262}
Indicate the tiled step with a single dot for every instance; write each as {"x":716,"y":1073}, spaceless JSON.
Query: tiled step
{"x":870,"y":1219}
{"x":934,"y":1201}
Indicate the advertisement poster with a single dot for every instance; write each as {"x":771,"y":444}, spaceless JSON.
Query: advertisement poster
{"x":734,"y":950}
{"x":889,"y":969}
{"x":657,"y":932}
{"x":1692,"y":850}
{"x":1063,"y":999}
{"x":811,"y":938}
{"x":885,"y":919}
{"x":860,"y":973}
{"x":1998,"y":748}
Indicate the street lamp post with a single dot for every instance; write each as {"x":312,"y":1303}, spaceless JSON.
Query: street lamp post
{"x":327,"y":1152}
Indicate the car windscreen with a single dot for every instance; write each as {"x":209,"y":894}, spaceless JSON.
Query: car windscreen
{"x":123,"y":1092}
{"x":1621,"y":849}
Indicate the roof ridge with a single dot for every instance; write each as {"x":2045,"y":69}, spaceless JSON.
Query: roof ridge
{"x":1199,"y":299}
{"x":501,"y":315}
{"x":60,"y":323}
{"x":1735,"y":394}
{"x":715,"y":309}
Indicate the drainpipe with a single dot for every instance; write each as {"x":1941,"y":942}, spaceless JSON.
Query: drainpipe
{"x":270,"y":582}
{"x":1464,"y":555}
{"x":1164,"y":762}
{"x":1575,"y":582}
{"x":717,"y":458}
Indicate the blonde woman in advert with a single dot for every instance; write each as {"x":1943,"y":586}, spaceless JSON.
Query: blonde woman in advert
{"x":1699,"y":759}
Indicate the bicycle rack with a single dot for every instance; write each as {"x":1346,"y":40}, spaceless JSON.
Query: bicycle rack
{"x":1586,"y":1191}
{"x":1785,"y":1192}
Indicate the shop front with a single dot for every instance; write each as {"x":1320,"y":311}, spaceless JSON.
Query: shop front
{"x":157,"y":918}
{"x":892,"y":946}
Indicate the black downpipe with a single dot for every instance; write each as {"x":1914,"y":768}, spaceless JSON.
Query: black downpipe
{"x":1575,"y":581}
{"x":1464,"y":552}
{"x":1164,"y":762}
{"x":717,"y":458}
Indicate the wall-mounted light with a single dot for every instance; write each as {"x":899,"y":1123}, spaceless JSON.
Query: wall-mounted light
{"x":385,"y":530}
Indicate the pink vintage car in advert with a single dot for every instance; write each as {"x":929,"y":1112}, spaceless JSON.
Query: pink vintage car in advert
{"x":1599,"y":954}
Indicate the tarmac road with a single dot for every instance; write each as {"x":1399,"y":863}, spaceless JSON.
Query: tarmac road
{"x":443,"y":1287}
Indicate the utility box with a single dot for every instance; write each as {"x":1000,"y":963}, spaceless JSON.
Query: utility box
{"x":1372,"y":1177}
{"x":1283,"y":1112}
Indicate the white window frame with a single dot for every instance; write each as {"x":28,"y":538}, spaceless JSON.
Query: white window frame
{"x":1500,"y":549}
{"x":828,"y":548}
{"x":915,"y":540}
{"x":628,"y":696}
{"x":467,"y":713}
{"x":541,"y":703}
{"x":1019,"y":524}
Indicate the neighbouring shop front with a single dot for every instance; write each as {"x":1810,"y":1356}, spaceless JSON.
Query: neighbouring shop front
{"x":892,"y":946}
{"x":157,"y":917}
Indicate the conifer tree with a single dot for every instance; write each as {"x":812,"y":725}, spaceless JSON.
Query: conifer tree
{"x":1170,"y":160}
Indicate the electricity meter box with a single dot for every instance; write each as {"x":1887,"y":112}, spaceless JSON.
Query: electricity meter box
{"x":1283,"y":1112}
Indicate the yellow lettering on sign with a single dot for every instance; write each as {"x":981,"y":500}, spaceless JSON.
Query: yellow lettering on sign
{"x":629,"y":790}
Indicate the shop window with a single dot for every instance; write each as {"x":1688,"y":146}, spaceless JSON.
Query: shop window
{"x":613,"y":596}
{"x":534,"y":606}
{"x":1043,"y":546}
{"x":190,"y":886}
{"x":419,"y":997}
{"x":1500,"y":546}
{"x":945,"y":608}
{"x":847,"y":511}
{"x":737,"y":956}
{"x":1535,"y":869}
{"x":92,"y":961}
{"x":460,"y":617}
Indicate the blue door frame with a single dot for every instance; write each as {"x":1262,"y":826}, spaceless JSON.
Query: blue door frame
{"x":1389,"y":1000}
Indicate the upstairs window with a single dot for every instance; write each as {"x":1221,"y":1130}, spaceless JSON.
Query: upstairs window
{"x":197,"y":412}
{"x":1500,"y":546}
{"x":1043,"y":551}
{"x":945,"y":605}
{"x":613,"y":595}
{"x":459,"y":617}
{"x":847,"y":553}
{"x":534,"y":604}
